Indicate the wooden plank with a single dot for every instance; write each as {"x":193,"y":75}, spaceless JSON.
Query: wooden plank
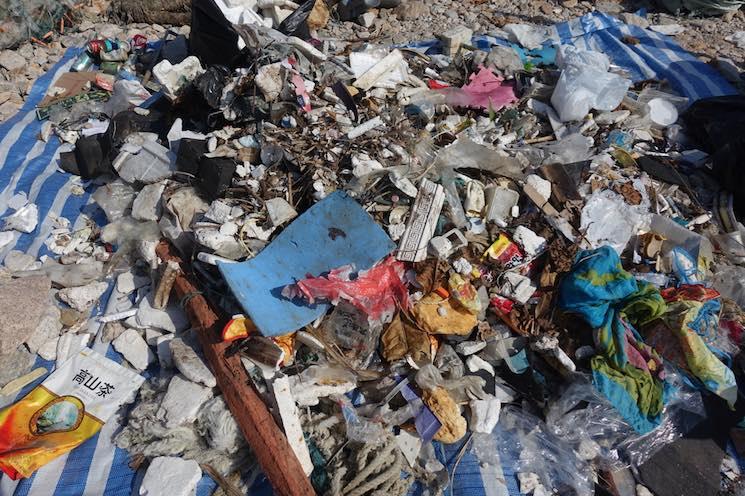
{"x":268,"y":442}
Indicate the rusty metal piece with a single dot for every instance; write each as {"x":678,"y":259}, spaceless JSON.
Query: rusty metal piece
{"x":163,"y":292}
{"x":267,"y":441}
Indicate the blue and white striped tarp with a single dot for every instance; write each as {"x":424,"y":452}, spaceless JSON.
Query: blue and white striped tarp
{"x":655,"y":56}
{"x":29,"y":165}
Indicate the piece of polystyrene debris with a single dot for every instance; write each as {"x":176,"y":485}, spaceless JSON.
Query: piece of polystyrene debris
{"x":484,"y":414}
{"x":134,"y":349}
{"x":280,"y":211}
{"x":182,"y":401}
{"x":172,"y":476}
{"x":190,"y":364}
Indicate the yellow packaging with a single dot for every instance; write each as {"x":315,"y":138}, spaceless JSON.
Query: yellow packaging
{"x":69,"y":407}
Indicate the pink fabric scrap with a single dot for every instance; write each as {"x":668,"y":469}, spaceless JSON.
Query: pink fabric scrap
{"x":376,"y":292}
{"x":485,"y":90}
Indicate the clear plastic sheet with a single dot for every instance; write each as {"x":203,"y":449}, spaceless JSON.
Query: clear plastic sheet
{"x":597,"y":430}
{"x":525,"y":438}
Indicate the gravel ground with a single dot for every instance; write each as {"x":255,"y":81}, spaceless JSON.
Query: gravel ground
{"x":418,"y":19}
{"x":411,"y":20}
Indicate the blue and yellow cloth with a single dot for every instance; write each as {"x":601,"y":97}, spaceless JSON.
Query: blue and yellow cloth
{"x":625,"y":370}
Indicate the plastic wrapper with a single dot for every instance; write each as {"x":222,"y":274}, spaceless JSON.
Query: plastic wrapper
{"x":359,"y":429}
{"x":376,"y":292}
{"x":348,"y":327}
{"x":526,"y":439}
{"x":586,"y":84}
{"x":296,"y":23}
{"x":484,"y":90}
{"x":126,"y":94}
{"x":70,"y":406}
{"x":598,"y":430}
{"x":608,"y":220}
{"x":464,"y":293}
{"x":730,"y":282}
{"x":115,"y":199}
{"x":449,"y":363}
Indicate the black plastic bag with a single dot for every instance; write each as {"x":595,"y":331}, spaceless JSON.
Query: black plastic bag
{"x":211,"y":83}
{"x":296,"y":23}
{"x":212,"y":38}
{"x":718,"y":124}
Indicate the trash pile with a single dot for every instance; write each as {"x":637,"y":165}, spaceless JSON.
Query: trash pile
{"x":518,"y":252}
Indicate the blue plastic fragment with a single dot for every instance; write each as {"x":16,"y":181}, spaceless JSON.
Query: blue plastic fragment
{"x":334,"y":232}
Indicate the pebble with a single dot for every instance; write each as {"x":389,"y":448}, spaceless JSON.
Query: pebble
{"x":12,"y":61}
{"x":19,"y":322}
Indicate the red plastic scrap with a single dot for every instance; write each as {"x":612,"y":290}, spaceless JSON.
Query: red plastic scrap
{"x":485,"y":90}
{"x":376,"y":292}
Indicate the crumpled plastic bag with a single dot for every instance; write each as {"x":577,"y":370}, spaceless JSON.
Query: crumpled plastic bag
{"x":377,"y":291}
{"x":586,"y":84}
{"x":608,"y":220}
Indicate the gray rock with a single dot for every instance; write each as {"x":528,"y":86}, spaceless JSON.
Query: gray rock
{"x":409,"y":11}
{"x":634,"y":20}
{"x":15,"y":364}
{"x":12,"y":61}
{"x":23,"y":302}
{"x":17,"y":260}
{"x":190,"y":364}
{"x":48,"y":329}
{"x":82,"y":298}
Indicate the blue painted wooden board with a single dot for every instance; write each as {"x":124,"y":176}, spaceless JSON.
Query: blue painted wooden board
{"x":334,"y":232}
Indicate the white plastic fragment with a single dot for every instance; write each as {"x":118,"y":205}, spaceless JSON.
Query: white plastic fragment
{"x":422,"y":222}
{"x":22,"y":220}
{"x":280,"y":211}
{"x":365,"y":127}
{"x":484,"y":414}
{"x":174,"y":78}
{"x":134,"y":349}
{"x":148,"y":162}
{"x":447,"y":244}
{"x":499,"y":203}
{"x":389,"y":63}
{"x":529,"y":241}
{"x":517,"y":287}
{"x":476,"y":363}
{"x":69,"y":345}
{"x":470,"y":347}
{"x":307,"y":49}
{"x":171,"y":475}
{"x":662,"y":112}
